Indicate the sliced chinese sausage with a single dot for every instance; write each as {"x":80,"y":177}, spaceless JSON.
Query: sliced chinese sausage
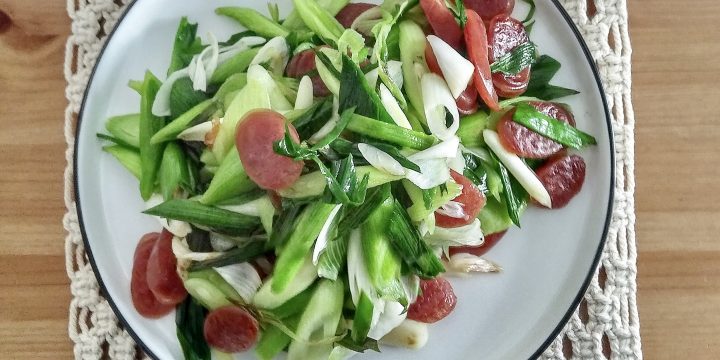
{"x":162,"y":276}
{"x":443,"y":22}
{"x":471,"y":200}
{"x":302,"y":64}
{"x":526,"y":143}
{"x":487,"y":9}
{"x":467,"y":101}
{"x":230,"y":329}
{"x":435,"y":302}
{"x":504,"y":35}
{"x":143,"y":298}
{"x":477,"y":48}
{"x":563,"y":177}
{"x":490,"y":241}
{"x":254,"y":139}
{"x":350,"y":12}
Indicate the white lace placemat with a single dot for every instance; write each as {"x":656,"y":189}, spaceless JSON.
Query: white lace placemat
{"x":605,"y":326}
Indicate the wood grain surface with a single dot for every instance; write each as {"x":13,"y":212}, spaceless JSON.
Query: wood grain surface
{"x":676,"y":85}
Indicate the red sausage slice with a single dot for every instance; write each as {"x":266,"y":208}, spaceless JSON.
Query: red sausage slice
{"x":143,"y":298}
{"x":563,"y":177}
{"x":504,"y":35}
{"x":490,"y":241}
{"x":487,"y":9}
{"x":254,"y":139}
{"x":471,"y":200}
{"x":350,"y":12}
{"x":230,"y":329}
{"x":436,"y":301}
{"x":477,"y":46}
{"x":302,"y":64}
{"x":162,"y":276}
{"x":443,"y":22}
{"x":527,"y":143}
{"x":467,"y":101}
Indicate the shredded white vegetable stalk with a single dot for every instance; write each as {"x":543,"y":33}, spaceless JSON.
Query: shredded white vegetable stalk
{"x":161,"y":106}
{"x":457,"y":163}
{"x":456,"y":69}
{"x":322,"y":239}
{"x":197,"y":132}
{"x":182,"y":251}
{"x":524,"y":175}
{"x":304,"y":97}
{"x":275,"y":52}
{"x":460,"y":264}
{"x":410,"y":334}
{"x":203,"y":66}
{"x":393,"y":108}
{"x":381,"y":160}
{"x":226,"y":53}
{"x":444,"y":150}
{"x":438,"y":100}
{"x":452,"y":209}
{"x":243,"y":278}
{"x":468,"y":235}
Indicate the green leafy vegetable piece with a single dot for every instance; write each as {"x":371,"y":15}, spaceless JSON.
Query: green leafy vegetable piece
{"x":343,"y":186}
{"x":471,"y":128}
{"x":190,"y":320}
{"x":407,"y":242}
{"x":516,"y":60}
{"x":183,"y":97}
{"x":125,"y":128}
{"x":319,"y":20}
{"x":298,"y":245}
{"x":283,"y":227}
{"x":216,"y":219}
{"x":356,"y":92}
{"x":551,"y":128}
{"x":332,"y":260}
{"x":254,"y":21}
{"x":173,"y":174}
{"x":313,"y":118}
{"x":230,"y":180}
{"x":528,"y":18}
{"x":542,"y":71}
{"x":127,"y":157}
{"x":359,"y":346}
{"x":458,"y":10}
{"x":150,"y":154}
{"x":186,"y":45}
{"x":514,"y":196}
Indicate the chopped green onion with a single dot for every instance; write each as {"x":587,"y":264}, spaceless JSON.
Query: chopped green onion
{"x":182,"y":122}
{"x":217,"y":219}
{"x":150,"y":154}
{"x":542,"y":71}
{"x":407,"y":242}
{"x":125,"y":128}
{"x":254,"y":21}
{"x":128,"y":157}
{"x":190,"y":319}
{"x":551,"y":128}
{"x":516,"y":60}
{"x":356,"y":92}
{"x":391,"y":133}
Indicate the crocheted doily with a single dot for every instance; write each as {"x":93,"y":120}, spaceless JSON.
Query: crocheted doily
{"x":605,"y":325}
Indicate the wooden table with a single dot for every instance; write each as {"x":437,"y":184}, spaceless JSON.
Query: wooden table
{"x":676,"y":95}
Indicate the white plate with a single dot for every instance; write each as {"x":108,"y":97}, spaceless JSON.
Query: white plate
{"x":514,"y":315}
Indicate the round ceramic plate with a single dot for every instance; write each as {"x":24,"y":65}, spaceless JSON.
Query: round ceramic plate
{"x":512,"y":315}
